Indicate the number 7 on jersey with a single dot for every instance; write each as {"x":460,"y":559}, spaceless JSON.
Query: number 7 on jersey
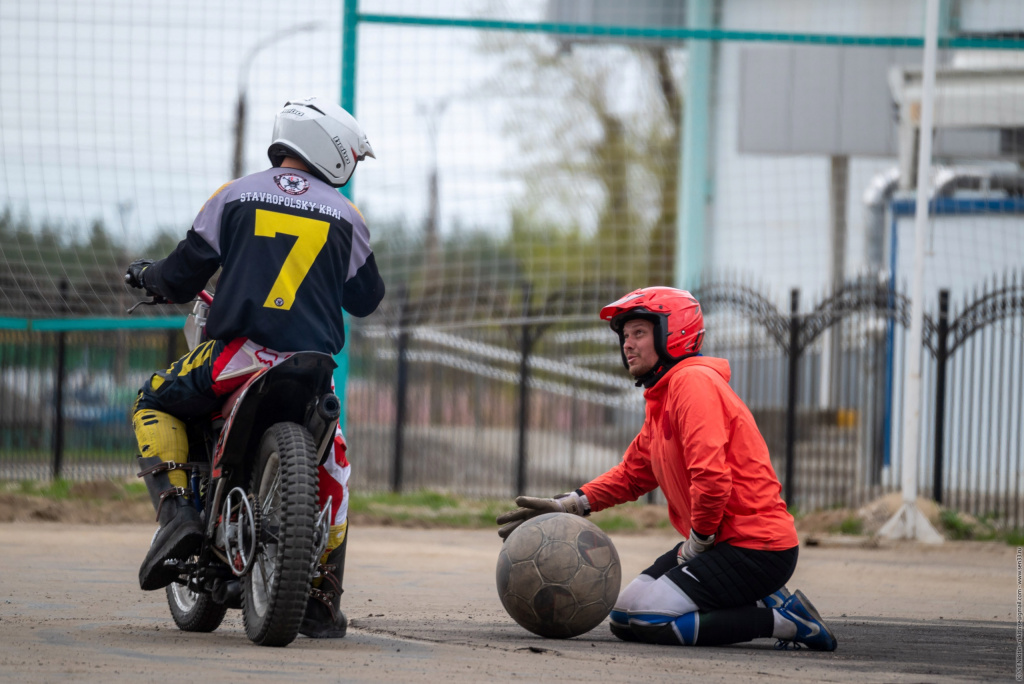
{"x":311,"y":236}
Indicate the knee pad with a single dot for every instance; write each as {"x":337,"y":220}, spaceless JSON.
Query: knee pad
{"x":161,"y":434}
{"x":669,"y":631}
{"x":661,"y":613}
{"x":336,"y":537}
{"x":633,"y":591}
{"x":619,"y":616}
{"x":662,"y":597}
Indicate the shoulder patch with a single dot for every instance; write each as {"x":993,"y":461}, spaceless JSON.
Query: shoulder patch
{"x":292,"y":183}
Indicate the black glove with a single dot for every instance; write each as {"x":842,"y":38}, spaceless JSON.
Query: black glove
{"x":531,"y":507}
{"x":133,"y":276}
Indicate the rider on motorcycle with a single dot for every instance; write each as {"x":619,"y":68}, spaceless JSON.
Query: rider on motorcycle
{"x":294,"y":252}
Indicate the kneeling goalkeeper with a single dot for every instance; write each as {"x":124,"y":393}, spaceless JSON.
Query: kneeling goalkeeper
{"x":725,"y":583}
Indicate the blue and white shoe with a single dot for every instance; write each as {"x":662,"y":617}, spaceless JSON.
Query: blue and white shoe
{"x":776,"y":598}
{"x":619,"y":623}
{"x":811,"y":630}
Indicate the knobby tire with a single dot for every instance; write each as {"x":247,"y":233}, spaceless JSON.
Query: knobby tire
{"x":194,"y":612}
{"x":287,"y":542}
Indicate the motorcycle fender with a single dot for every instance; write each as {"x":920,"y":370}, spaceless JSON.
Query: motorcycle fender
{"x":232,"y":405}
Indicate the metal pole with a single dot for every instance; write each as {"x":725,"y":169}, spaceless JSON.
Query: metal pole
{"x":941,"y":355}
{"x":236,"y":161}
{"x":349,"y":54}
{"x":172,"y":346}
{"x":349,"y":33}
{"x":909,"y":522}
{"x":831,"y":339}
{"x":791,"y":391}
{"x":238,"y":158}
{"x":912,"y":394}
{"x":526,"y":342}
{"x":58,"y":399}
{"x":401,"y":394}
{"x":693,"y":188}
{"x":432,"y":114}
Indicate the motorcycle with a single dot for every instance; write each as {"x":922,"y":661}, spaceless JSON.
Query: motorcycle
{"x":253,"y":476}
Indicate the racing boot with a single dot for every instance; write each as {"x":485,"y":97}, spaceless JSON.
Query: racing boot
{"x":181,"y":531}
{"x":324,"y":619}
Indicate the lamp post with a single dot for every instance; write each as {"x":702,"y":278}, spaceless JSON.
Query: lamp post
{"x":433,"y":113}
{"x":243,"y":86}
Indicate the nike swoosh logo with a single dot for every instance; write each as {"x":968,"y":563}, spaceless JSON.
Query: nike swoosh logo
{"x":686,"y":571}
{"x":815,"y":630}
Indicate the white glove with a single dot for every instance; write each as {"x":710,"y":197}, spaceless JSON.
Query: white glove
{"x":692,"y":546}
{"x":530,"y":507}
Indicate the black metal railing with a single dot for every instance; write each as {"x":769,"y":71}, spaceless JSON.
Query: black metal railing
{"x":978,"y":412}
{"x":66,"y":397}
{"x":541,"y":404}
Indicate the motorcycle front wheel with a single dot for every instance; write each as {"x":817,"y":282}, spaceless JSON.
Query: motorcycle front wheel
{"x":275,"y":591}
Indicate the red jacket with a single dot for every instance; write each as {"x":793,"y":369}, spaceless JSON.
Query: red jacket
{"x":700,"y":444}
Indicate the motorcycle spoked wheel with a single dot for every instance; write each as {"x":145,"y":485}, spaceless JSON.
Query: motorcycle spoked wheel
{"x":285,"y":481}
{"x":194,"y":612}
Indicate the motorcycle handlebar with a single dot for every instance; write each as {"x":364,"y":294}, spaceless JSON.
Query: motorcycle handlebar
{"x":203,"y":295}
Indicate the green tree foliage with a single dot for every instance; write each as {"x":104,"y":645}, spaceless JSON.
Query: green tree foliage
{"x":472,"y":277}
{"x":598,"y":127}
{"x":44,"y":275}
{"x":37,"y":261}
{"x":161,"y":244}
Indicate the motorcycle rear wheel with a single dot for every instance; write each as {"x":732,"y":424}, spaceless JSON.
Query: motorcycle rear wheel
{"x":276,"y":589}
{"x":194,"y":612}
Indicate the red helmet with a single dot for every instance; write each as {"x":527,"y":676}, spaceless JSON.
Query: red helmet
{"x":678,"y":321}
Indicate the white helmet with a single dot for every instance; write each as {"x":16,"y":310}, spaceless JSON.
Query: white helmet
{"x":323,"y":135}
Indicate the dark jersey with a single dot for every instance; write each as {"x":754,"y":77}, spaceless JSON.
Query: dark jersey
{"x":294,"y":251}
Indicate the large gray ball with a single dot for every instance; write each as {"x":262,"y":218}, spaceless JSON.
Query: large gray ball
{"x":558,"y":575}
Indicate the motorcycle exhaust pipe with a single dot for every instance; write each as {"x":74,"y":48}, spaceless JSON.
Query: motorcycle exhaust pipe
{"x":329,"y":407}
{"x":322,"y":421}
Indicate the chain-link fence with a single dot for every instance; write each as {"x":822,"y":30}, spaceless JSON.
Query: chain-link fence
{"x":535,"y":160}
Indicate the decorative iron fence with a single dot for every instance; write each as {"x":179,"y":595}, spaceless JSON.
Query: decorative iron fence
{"x":542,"y":404}
{"x":977,"y":418}
{"x":825,"y":387}
{"x":818,"y":385}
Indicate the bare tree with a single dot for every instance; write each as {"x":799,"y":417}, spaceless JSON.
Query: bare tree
{"x":598,"y":127}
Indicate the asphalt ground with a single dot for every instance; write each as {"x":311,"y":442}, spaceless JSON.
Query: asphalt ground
{"x":423,"y":608}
